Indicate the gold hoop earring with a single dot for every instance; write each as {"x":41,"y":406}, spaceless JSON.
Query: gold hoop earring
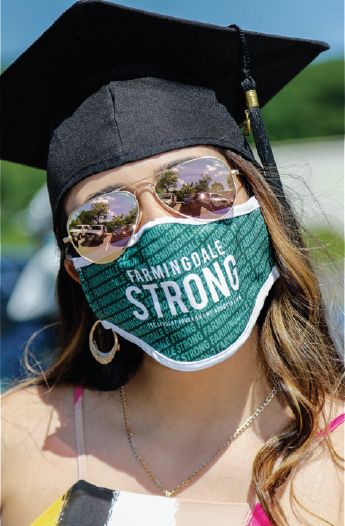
{"x":102,"y":357}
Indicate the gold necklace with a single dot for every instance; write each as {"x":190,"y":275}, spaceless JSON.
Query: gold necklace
{"x":214,"y":455}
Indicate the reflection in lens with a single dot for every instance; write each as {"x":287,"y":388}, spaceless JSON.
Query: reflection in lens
{"x":101,"y":229}
{"x":202,"y":188}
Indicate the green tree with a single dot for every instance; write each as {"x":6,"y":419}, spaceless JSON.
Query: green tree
{"x":230,"y":182}
{"x":130,"y":218}
{"x":167,"y":182}
{"x":186,"y":189}
{"x":99,"y":210}
{"x":204,"y":183}
{"x":118,"y":220}
{"x":85,"y":217}
{"x":122,"y":220}
{"x":93,"y":216}
{"x":311,"y":105}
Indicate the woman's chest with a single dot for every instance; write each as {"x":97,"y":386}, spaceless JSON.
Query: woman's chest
{"x":41,"y":478}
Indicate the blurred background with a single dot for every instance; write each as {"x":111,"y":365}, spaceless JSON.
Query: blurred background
{"x":305,"y":122}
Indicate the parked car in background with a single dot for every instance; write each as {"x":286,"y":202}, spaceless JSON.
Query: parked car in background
{"x":186,"y":199}
{"x":196,"y":204}
{"x":79,"y":231}
{"x":96,"y":232}
{"x":169,"y":199}
{"x":213,"y":200}
{"x":186,"y":203}
{"x":121,"y":232}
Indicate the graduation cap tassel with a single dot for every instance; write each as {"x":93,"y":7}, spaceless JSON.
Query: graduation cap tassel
{"x":260,"y":137}
{"x":255,"y":122}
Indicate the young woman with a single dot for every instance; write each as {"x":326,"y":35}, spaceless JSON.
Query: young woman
{"x":233,"y":413}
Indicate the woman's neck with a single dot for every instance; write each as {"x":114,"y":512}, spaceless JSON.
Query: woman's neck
{"x":213,"y":402}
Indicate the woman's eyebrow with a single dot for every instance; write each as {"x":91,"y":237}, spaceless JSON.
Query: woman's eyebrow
{"x":173,"y":163}
{"x":106,"y":190}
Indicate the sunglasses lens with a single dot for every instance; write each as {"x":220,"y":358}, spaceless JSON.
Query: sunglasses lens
{"x":102,"y":228}
{"x":203,"y":188}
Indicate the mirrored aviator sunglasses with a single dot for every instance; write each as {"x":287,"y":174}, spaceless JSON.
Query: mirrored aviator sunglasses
{"x":203,"y":189}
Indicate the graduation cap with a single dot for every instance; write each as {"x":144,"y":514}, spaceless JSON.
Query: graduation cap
{"x":107,"y":85}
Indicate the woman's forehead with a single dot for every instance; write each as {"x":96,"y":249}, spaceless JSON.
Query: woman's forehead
{"x":132,"y":172}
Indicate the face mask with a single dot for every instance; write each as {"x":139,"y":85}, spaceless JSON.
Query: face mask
{"x":187,"y":293}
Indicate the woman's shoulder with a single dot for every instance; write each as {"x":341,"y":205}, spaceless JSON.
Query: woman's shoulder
{"x":28,"y":414}
{"x":38,"y":444}
{"x":318,"y":482}
{"x":25,"y":408}
{"x":329,"y":448}
{"x":33,"y":416}
{"x":332,"y":425}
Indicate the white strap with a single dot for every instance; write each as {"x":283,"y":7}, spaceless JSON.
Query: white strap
{"x":79,"y":433}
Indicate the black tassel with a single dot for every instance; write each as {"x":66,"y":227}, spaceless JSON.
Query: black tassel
{"x":261,"y":139}
{"x":253,"y":114}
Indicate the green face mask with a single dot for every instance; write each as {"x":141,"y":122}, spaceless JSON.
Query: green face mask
{"x":188,"y":294}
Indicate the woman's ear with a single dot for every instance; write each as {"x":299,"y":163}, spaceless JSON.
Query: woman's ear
{"x":72,"y":271}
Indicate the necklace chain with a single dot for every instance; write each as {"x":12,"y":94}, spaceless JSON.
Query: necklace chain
{"x":214,"y":455}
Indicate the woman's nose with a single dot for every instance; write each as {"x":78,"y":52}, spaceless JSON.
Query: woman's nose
{"x":150,"y":207}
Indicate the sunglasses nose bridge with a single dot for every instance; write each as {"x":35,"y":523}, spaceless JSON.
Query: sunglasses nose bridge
{"x":143,"y":186}
{"x":143,"y":204}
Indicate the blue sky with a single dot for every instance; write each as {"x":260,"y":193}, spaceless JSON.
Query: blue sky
{"x":23,"y":21}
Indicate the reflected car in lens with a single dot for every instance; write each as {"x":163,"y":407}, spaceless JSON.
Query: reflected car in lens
{"x":121,"y":232}
{"x":96,"y":233}
{"x":79,"y":231}
{"x":187,"y":203}
{"x":187,"y":200}
{"x":213,"y":200}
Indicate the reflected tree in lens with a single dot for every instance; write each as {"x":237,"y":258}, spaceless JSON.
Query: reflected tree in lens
{"x":85,"y":217}
{"x":167,"y":183}
{"x":97,"y":213}
{"x":204,"y":183}
{"x":123,"y":210}
{"x":131,"y":217}
{"x":123,"y":219}
{"x":230,"y":182}
{"x":122,"y":227}
{"x":100,"y":211}
{"x":185,"y":189}
{"x":217,"y":187}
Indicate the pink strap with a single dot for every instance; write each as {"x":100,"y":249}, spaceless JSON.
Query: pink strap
{"x":79,"y":432}
{"x":332,"y":426}
{"x":258,"y":517}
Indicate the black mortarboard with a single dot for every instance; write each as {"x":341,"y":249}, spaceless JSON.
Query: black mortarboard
{"x":107,"y":85}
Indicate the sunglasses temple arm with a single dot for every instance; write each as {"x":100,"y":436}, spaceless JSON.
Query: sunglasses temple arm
{"x":138,"y":221}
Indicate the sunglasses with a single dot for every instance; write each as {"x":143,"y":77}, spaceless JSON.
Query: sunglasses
{"x":203,"y":189}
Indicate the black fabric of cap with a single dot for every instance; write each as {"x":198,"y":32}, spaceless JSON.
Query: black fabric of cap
{"x":106,"y":85}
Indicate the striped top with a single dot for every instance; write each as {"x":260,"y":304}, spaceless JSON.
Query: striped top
{"x":85,"y":504}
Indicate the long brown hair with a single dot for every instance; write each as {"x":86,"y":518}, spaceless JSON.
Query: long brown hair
{"x":297,"y":352}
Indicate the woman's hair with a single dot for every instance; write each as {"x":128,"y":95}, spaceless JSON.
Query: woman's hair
{"x":297,"y":355}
